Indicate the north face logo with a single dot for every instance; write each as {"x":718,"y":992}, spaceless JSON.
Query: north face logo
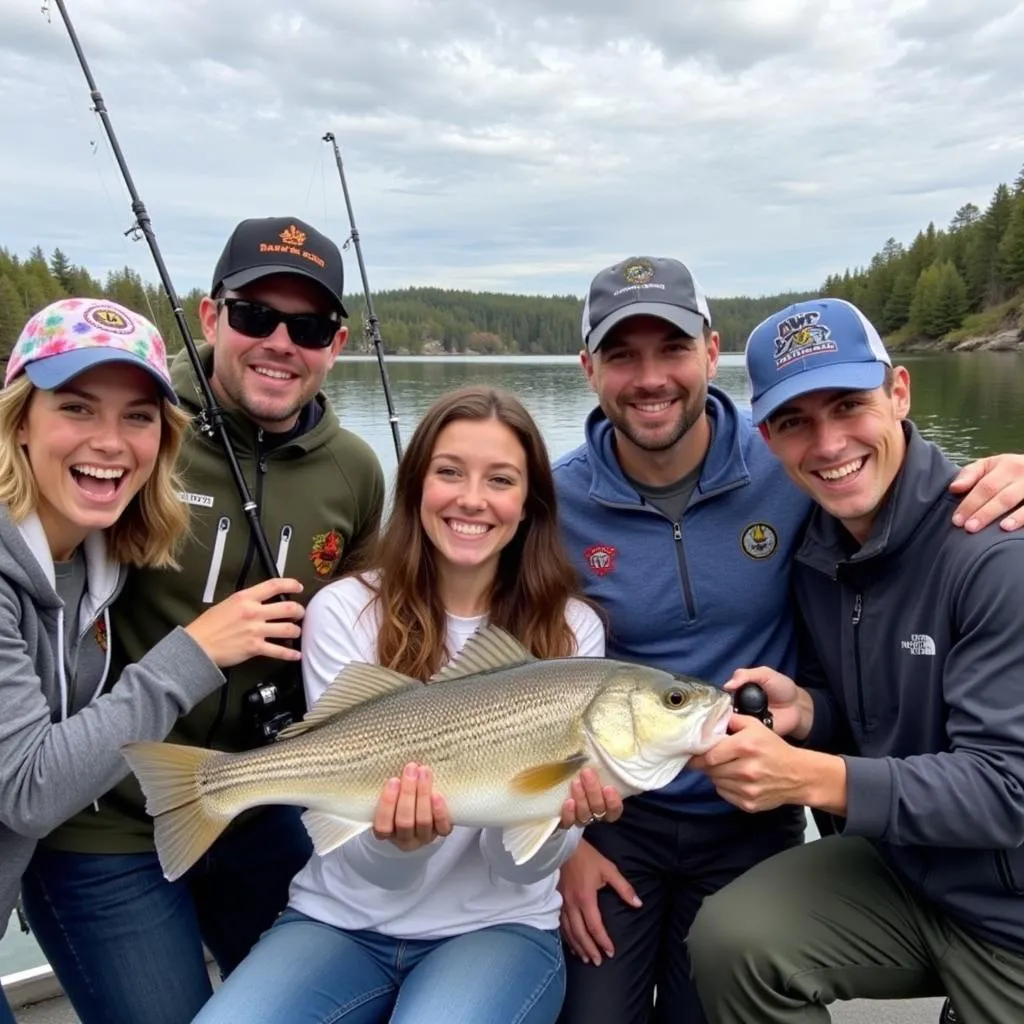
{"x":919,"y":643}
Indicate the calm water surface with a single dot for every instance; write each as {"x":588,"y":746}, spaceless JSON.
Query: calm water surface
{"x":970,"y":404}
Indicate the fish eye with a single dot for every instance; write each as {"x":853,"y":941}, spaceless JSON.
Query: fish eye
{"x":675,"y":698}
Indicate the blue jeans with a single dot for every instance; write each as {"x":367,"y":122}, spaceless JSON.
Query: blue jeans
{"x":6,"y":1014}
{"x":127,"y":945}
{"x":306,"y":972}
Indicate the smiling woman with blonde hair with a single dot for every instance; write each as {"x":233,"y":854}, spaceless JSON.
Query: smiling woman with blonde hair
{"x":89,"y":433}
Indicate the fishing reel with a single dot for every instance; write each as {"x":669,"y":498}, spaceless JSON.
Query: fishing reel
{"x":269,"y":707}
{"x":751,"y":700}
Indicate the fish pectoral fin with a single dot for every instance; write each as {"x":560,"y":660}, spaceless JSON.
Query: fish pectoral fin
{"x":487,"y":650}
{"x":355,"y":684}
{"x":542,"y":777}
{"x":523,"y":841}
{"x":328,"y":831}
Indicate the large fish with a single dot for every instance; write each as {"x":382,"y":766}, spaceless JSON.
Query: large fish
{"x":503,"y":733}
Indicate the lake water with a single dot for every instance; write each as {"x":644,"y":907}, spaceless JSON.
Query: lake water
{"x":970,"y":404}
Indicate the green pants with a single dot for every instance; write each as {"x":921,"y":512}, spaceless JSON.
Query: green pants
{"x":830,"y":920}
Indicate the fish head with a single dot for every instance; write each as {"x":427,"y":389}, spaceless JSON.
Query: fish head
{"x":645,"y":724}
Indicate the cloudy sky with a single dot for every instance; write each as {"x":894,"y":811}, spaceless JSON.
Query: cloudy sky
{"x":513,"y":145}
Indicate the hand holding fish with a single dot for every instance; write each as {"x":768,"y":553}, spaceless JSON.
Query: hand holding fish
{"x":246,"y":624}
{"x":503,"y":732}
{"x":757,"y":770}
{"x":409,"y":813}
{"x":789,"y":705}
{"x":589,"y":801}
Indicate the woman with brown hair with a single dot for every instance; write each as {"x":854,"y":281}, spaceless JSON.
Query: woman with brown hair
{"x":417,"y":920}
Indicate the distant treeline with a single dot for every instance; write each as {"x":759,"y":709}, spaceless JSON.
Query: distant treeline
{"x":411,"y":319}
{"x":968,"y":277}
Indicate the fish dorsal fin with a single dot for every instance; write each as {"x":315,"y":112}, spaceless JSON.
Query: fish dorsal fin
{"x":489,"y":648}
{"x":355,"y":684}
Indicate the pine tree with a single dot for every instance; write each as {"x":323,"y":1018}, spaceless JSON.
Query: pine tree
{"x":964,"y":217}
{"x":951,"y":299}
{"x":60,"y":268}
{"x":12,"y":315}
{"x":1011,"y":248}
{"x":1018,"y":183}
{"x":897,"y":309}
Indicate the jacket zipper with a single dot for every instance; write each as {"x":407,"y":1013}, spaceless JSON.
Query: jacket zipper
{"x":684,"y":576}
{"x":858,"y":605}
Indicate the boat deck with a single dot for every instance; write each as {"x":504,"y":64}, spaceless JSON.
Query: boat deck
{"x":917,"y":1011}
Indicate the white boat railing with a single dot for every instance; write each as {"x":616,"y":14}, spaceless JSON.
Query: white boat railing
{"x":31,"y":986}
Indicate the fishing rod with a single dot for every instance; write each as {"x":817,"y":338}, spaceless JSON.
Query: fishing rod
{"x":212,"y":416}
{"x":372,"y":324}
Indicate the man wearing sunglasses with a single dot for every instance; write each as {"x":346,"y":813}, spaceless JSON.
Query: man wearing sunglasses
{"x":273,"y":327}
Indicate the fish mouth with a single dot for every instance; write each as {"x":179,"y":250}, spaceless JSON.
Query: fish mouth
{"x":717,"y":724}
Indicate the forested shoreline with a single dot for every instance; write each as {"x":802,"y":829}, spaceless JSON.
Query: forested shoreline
{"x":958,"y":286}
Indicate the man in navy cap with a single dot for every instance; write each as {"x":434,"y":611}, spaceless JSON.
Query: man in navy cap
{"x":907,"y":725}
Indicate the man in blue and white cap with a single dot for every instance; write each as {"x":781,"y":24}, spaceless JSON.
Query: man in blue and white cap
{"x":908,"y":727}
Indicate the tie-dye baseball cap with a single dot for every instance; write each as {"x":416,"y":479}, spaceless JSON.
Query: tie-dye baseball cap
{"x":71,"y":336}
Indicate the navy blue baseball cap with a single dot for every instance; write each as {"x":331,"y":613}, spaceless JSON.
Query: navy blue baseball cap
{"x":816,"y":345}
{"x":644,"y":286}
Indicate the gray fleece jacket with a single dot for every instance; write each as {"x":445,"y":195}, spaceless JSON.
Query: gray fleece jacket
{"x":60,"y":740}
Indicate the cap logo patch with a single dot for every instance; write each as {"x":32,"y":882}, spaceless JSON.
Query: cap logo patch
{"x":292,"y":241}
{"x":106,"y":318}
{"x":759,"y":540}
{"x":638,"y":273}
{"x":801,"y":335}
{"x":293,"y":236}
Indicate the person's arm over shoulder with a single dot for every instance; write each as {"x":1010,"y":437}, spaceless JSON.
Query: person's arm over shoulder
{"x":49,"y":770}
{"x":969,"y":796}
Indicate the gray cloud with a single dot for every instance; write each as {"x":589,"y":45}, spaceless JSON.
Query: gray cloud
{"x":514,"y":144}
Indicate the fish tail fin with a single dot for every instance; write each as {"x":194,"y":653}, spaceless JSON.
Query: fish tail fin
{"x":169,"y":776}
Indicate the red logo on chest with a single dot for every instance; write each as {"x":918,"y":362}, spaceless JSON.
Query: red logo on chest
{"x":326,"y":552}
{"x":600,"y":558}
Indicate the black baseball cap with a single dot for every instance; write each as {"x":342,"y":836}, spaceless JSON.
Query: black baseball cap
{"x":263,"y":246}
{"x":644,"y":286}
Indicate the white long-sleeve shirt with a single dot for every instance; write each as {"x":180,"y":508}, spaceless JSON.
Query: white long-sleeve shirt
{"x":454,"y":885}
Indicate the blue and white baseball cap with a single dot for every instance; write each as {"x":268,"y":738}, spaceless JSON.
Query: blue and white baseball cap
{"x":816,"y":345}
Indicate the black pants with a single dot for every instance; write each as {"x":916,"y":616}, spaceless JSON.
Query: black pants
{"x":673,"y":861}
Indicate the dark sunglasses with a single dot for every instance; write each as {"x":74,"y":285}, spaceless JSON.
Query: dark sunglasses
{"x":254,"y":320}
